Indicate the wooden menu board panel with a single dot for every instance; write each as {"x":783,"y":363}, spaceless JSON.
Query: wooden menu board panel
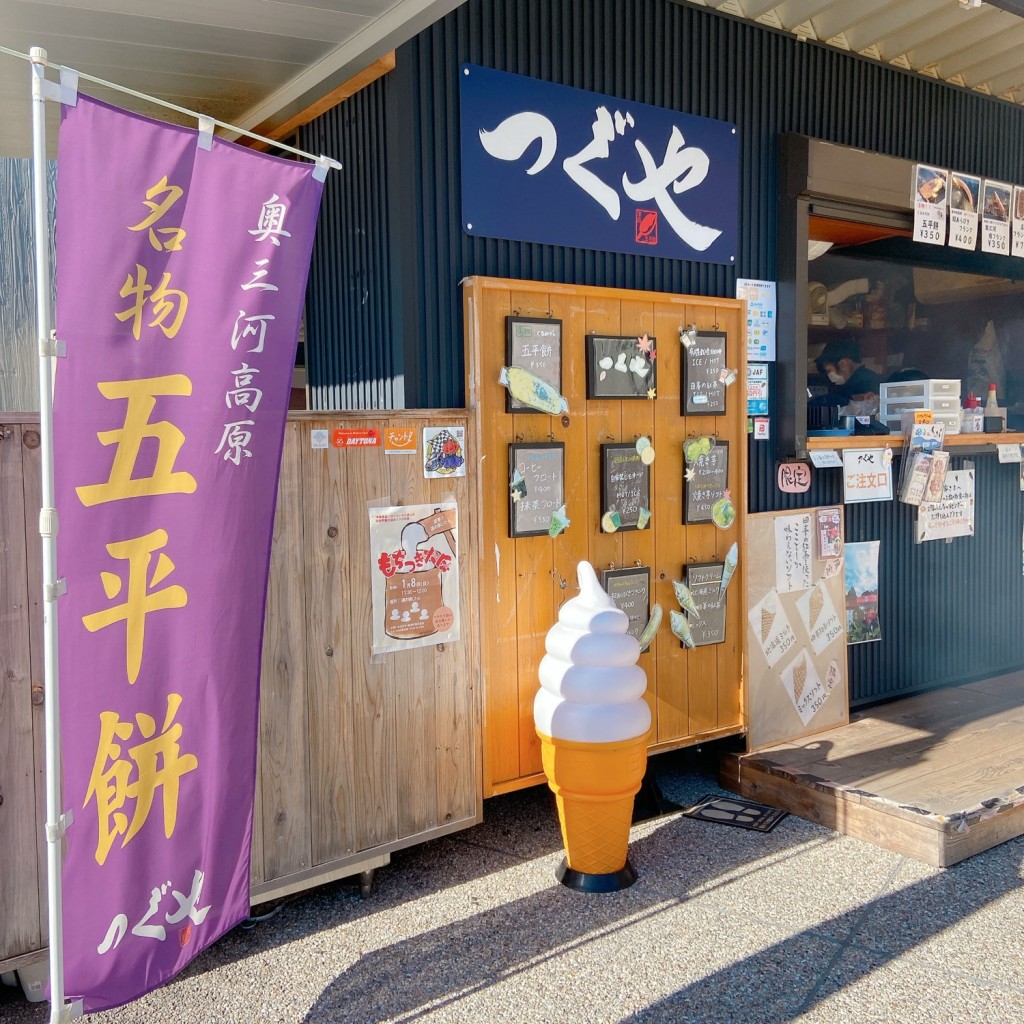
{"x":694,"y":695}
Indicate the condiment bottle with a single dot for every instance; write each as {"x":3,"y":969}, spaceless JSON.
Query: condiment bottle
{"x":970,"y":421}
{"x":992,"y":402}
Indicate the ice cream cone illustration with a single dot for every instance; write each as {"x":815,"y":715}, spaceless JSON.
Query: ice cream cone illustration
{"x":799,"y":679}
{"x":815,"y":605}
{"x":593,"y":725}
{"x":767,"y":617}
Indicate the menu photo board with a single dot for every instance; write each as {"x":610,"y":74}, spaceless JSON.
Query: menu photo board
{"x":707,"y":480}
{"x":625,"y":488}
{"x":704,"y":580}
{"x":534,"y":345}
{"x":630,"y":589}
{"x":539,"y":468}
{"x":704,"y":375}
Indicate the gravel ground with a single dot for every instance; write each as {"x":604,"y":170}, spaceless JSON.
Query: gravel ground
{"x":724,"y":925}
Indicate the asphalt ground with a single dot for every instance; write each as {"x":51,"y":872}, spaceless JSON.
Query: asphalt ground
{"x":799,"y":924}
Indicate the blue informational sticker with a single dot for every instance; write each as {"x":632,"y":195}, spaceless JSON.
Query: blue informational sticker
{"x":547,"y":163}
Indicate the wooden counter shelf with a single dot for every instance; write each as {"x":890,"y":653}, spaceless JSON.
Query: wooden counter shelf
{"x":967,"y":442}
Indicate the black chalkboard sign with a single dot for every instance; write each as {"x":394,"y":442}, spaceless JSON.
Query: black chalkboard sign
{"x":536,"y":346}
{"x":703,"y":389}
{"x":621,"y":366}
{"x":540,"y":493}
{"x":625,"y":488}
{"x":708,"y":482}
{"x":630,"y":589}
{"x":704,"y":580}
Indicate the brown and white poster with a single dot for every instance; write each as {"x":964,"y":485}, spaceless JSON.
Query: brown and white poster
{"x":796,"y":631}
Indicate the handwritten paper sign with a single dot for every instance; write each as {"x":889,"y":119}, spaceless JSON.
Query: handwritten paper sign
{"x":704,"y":581}
{"x":820,"y":618}
{"x":542,"y":492}
{"x":953,"y":516}
{"x":707,"y":485}
{"x":535,"y":345}
{"x":630,"y":589}
{"x":703,"y":368}
{"x":625,"y":487}
{"x":867,"y":475}
{"x":826,"y":459}
{"x":793,"y":553}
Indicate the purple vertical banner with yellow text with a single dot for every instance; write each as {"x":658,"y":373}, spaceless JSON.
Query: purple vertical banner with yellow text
{"x":181,"y":274}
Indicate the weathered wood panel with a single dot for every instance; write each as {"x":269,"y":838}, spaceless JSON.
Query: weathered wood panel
{"x":19,"y":855}
{"x":692,"y":694}
{"x":359,"y":755}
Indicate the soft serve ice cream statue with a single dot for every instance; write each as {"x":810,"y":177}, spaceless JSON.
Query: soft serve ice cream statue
{"x":593,"y":724}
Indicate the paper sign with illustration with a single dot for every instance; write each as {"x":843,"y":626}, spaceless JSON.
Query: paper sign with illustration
{"x":772,"y":628}
{"x":415,"y":573}
{"x":793,"y":553}
{"x":444,"y":450}
{"x":804,"y":686}
{"x":820,"y":618}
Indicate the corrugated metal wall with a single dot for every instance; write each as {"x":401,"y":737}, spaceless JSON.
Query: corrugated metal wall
{"x":948,"y":611}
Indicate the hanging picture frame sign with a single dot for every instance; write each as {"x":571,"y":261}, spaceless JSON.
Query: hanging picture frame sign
{"x":625,"y":487}
{"x":630,"y":589}
{"x":704,"y":581}
{"x":706,"y":483}
{"x":704,"y":373}
{"x":541,"y":465}
{"x":535,"y":345}
{"x":621,"y":366}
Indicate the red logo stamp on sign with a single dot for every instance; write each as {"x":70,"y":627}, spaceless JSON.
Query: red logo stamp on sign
{"x":647,"y":227}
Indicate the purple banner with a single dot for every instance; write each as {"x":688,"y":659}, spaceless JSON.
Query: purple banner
{"x":181,"y":274}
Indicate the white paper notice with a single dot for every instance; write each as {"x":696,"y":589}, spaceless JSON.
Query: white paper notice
{"x":953,"y":516}
{"x":867,"y":476}
{"x":930,"y":193}
{"x":995,"y":218}
{"x":826,"y":459}
{"x":794,"y":548}
{"x":804,"y":686}
{"x":771,"y":628}
{"x":1017,"y":239}
{"x":820,"y":618}
{"x":1008,"y":452}
{"x":964,"y":191}
{"x":760,"y":299}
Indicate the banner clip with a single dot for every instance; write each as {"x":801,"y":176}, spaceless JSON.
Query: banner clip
{"x":53,"y":347}
{"x":323,"y":165}
{"x":206,"y":131}
{"x":69,"y":87}
{"x":60,"y":588}
{"x":71,"y":1011}
{"x":55,"y":832}
{"x":48,"y":523}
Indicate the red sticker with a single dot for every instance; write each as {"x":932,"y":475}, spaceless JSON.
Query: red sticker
{"x":647,"y":227}
{"x":356,"y":438}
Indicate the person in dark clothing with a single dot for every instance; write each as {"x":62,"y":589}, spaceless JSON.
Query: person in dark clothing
{"x":848,"y":376}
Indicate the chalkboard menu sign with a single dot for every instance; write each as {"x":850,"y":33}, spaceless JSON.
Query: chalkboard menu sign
{"x":704,"y":366}
{"x":625,"y":488}
{"x":538,"y":489}
{"x":704,"y":581}
{"x":630,"y":589}
{"x":621,"y":366}
{"x":536,"y":346}
{"x":708,"y":482}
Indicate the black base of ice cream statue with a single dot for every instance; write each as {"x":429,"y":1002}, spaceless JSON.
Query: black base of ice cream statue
{"x":593,"y":724}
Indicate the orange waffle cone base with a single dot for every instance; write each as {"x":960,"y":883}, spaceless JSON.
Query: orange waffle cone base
{"x":594,"y":785}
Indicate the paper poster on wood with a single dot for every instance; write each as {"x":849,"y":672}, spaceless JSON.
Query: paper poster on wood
{"x":415,"y":572}
{"x":796,"y":629}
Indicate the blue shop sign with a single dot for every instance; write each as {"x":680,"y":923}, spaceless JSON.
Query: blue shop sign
{"x":546,"y":163}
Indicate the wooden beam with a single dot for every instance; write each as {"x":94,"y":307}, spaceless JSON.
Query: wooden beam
{"x":378,"y":69}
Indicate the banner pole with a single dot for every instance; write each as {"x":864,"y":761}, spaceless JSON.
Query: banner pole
{"x":55,"y":821}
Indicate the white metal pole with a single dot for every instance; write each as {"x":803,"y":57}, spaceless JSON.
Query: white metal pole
{"x":55,"y":823}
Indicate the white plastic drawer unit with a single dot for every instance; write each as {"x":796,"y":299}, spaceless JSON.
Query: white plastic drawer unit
{"x":894,"y":406}
{"x":919,"y":390}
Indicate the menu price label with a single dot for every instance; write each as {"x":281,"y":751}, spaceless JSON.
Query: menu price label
{"x":705,"y":582}
{"x":708,"y":484}
{"x":703,"y":370}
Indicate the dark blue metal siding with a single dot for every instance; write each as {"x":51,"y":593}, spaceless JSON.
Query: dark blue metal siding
{"x":949,"y":611}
